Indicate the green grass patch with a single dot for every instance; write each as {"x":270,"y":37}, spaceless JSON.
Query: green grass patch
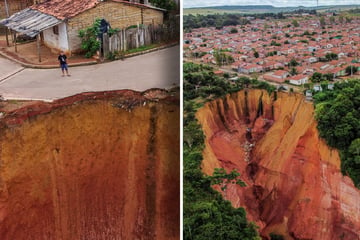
{"x":141,"y":49}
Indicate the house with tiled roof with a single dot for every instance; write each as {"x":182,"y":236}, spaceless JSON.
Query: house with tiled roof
{"x":207,"y":58}
{"x":338,"y":71}
{"x":274,"y":77}
{"x":59,"y":21}
{"x":250,"y":68}
{"x":281,"y":74}
{"x":298,"y":79}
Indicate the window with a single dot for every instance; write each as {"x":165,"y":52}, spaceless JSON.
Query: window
{"x":56,"y":30}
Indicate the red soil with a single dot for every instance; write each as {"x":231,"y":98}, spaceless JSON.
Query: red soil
{"x":294,"y":183}
{"x":92,"y":166}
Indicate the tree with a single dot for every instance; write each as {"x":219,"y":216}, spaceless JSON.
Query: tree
{"x":274,"y":236}
{"x":354,"y":150}
{"x":222,"y":58}
{"x":328,"y":76}
{"x":331,"y":56}
{"x":341,"y":19}
{"x":350,"y":70}
{"x":222,"y":179}
{"x":322,"y":21}
{"x":293,"y":71}
{"x":332,"y":19}
{"x":348,"y":19}
{"x":295,"y":23}
{"x":245,"y":81}
{"x":233,"y":30}
{"x":351,"y":163}
{"x":165,"y":4}
{"x":256,"y":54}
{"x":226,"y":75}
{"x":338,"y":120}
{"x":274,"y":43}
{"x":316,"y":77}
{"x":193,"y":134}
{"x":293,"y":63}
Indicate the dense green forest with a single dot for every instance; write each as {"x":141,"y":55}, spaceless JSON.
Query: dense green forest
{"x":268,"y":8}
{"x":231,"y":19}
{"x":206,"y":214}
{"x":213,"y":20}
{"x":338,"y":114}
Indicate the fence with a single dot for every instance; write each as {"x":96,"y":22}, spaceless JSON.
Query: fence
{"x":139,"y":36}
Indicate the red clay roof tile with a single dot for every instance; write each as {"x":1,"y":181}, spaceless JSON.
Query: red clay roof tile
{"x":63,"y":9}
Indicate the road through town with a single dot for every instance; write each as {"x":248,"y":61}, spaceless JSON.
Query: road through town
{"x":159,"y":69}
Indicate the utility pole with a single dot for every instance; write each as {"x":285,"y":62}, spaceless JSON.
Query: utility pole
{"x":38,"y":46}
{"x":6,"y":9}
{"x":6,"y":29}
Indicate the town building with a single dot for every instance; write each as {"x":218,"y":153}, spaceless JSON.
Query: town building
{"x":58,"y":22}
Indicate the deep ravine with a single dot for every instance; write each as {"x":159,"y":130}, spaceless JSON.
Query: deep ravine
{"x":294,"y":184}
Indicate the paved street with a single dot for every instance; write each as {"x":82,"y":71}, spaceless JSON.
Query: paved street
{"x":159,"y":69}
{"x":8,"y":68}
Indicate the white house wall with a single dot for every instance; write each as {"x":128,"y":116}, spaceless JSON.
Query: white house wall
{"x":57,"y":41}
{"x":295,"y":82}
{"x":299,"y":82}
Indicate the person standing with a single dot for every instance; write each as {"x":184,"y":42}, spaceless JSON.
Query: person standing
{"x":63,"y":64}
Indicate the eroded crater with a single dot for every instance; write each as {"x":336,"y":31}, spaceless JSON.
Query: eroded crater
{"x":294,"y":184}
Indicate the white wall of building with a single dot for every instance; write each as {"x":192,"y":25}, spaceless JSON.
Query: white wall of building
{"x":295,"y":82}
{"x":299,"y":82}
{"x":57,"y":41}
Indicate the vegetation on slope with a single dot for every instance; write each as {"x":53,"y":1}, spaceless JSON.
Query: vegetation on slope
{"x":206,"y":214}
{"x":338,"y":115}
{"x":201,"y":82}
{"x":213,"y":20}
{"x":231,"y":19}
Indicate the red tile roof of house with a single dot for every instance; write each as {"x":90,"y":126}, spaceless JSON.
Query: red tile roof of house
{"x":270,"y":77}
{"x":336,"y":70}
{"x":218,"y":72}
{"x":280,"y":72}
{"x":298,"y":77}
{"x":64,"y":9}
{"x":250,"y":66}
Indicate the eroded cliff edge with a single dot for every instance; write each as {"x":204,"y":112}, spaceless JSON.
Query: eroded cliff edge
{"x":92,"y":166}
{"x":294,"y":183}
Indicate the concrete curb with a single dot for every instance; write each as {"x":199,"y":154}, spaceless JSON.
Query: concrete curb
{"x":39,"y":66}
{"x":150,"y":50}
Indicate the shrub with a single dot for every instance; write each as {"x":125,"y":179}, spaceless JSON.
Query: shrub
{"x":274,"y":236}
{"x":89,"y":39}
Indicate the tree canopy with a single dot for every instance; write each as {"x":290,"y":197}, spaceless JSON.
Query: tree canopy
{"x":165,"y":4}
{"x":338,"y":115}
{"x":214,"y":20}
